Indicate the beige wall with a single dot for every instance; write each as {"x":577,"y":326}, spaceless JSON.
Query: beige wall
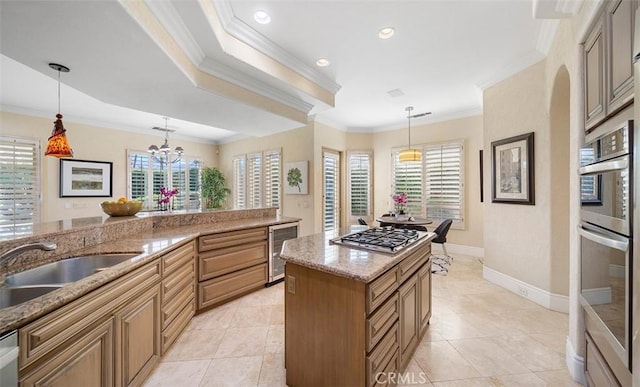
{"x":469,"y":130}
{"x":296,"y":145}
{"x":88,"y":143}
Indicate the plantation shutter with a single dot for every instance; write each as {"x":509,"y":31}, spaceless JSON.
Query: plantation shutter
{"x":443,"y":181}
{"x":139,"y":178}
{"x":195,"y":169}
{"x":407,"y":177}
{"x":179,"y":182}
{"x":359,"y":183}
{"x":239,"y":182}
{"x":331,"y":163}
{"x":160,"y":179}
{"x":254,"y":179}
{"x":19,"y":186}
{"x":272,"y":168}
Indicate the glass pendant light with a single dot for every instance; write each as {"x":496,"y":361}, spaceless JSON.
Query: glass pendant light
{"x":58,"y":145}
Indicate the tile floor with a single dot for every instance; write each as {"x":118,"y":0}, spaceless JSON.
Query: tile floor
{"x":480,"y":335}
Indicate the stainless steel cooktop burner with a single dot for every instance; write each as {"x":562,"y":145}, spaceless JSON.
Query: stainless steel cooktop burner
{"x":383,"y":239}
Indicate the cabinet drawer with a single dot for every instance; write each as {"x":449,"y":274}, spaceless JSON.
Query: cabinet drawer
{"x":177,"y":258}
{"x":380,"y":322}
{"x":56,"y":328}
{"x":410,"y":264}
{"x":383,"y":354}
{"x":232,"y":238}
{"x":381,"y":288}
{"x":177,"y":282}
{"x":597,"y":371}
{"x":219,"y":262}
{"x":177,"y":325}
{"x":172,"y":307}
{"x":230,"y":285}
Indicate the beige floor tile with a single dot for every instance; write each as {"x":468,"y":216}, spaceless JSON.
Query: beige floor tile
{"x":522,"y":380}
{"x":487,"y":357}
{"x":217,"y":318}
{"x":275,"y":339}
{"x":559,"y":378}
{"x":440,"y":361}
{"x":531,"y":353}
{"x":272,"y":373}
{"x":243,"y":342}
{"x":180,"y":373}
{"x":251,"y":316}
{"x":412,"y":375}
{"x":557,"y":341}
{"x":233,"y":372}
{"x":264,"y":296}
{"x":277,"y":315}
{"x":195,"y":344}
{"x":475,"y":382}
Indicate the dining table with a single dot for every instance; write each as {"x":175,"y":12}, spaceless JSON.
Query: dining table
{"x":404,"y":221}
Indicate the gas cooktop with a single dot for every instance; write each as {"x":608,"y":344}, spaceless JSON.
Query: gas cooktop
{"x":382,"y":239}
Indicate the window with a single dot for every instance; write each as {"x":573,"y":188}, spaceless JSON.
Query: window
{"x":359,"y":185}
{"x":20,"y":182}
{"x":256,"y":180}
{"x":148,"y":174}
{"x":435,"y":184}
{"x":331,"y":178}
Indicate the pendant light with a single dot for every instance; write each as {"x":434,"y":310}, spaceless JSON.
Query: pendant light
{"x":58,"y":145}
{"x":407,"y":155}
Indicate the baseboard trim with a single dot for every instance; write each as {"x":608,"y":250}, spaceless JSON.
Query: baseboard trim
{"x":575,"y":364}
{"x":557,"y":302}
{"x":473,"y":251}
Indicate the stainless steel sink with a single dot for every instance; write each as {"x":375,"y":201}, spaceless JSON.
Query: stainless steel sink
{"x":17,"y":295}
{"x":65,"y":271}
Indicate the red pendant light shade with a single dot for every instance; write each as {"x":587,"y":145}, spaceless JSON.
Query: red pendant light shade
{"x":58,"y":145}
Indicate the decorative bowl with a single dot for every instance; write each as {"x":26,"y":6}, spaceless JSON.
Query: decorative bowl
{"x":121,"y":209}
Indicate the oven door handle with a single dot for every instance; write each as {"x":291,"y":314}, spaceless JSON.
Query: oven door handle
{"x":606,"y":166}
{"x":614,"y":242}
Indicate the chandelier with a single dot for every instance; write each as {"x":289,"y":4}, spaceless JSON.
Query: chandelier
{"x":164,"y":153}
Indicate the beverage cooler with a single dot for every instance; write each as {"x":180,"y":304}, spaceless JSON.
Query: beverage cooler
{"x":277,"y":235}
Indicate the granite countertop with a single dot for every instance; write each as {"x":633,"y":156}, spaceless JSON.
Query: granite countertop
{"x":149,"y":245}
{"x":316,"y":252}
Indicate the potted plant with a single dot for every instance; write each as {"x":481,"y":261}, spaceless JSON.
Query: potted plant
{"x":213,"y":187}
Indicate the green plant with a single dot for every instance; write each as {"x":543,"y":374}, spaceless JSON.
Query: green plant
{"x":213,"y":190}
{"x":294,"y":178}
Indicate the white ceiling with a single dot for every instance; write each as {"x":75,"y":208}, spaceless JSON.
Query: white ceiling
{"x":442,"y":54}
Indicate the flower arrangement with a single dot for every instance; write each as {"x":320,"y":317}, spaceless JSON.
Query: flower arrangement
{"x":165,"y":197}
{"x":400,"y":199}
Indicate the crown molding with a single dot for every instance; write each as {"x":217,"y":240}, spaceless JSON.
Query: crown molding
{"x":240,"y":30}
{"x":555,"y":9}
{"x":547,"y":34}
{"x":511,"y":68}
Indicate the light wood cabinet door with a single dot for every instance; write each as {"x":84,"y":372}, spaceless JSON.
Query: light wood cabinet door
{"x":594,"y":76}
{"x":87,"y":361}
{"x":138,"y":338}
{"x":424,"y":296}
{"x":619,"y":53}
{"x":408,"y":319}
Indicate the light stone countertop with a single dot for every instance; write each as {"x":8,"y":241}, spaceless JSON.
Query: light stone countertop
{"x":148,"y":244}
{"x":316,"y":252}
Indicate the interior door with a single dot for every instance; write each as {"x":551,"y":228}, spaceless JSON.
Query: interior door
{"x":331,"y":189}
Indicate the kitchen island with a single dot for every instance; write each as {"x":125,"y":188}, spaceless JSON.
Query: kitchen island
{"x":353,"y":317}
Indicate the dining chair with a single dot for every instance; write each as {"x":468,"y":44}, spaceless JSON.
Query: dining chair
{"x":441,"y":263}
{"x":362,"y":222}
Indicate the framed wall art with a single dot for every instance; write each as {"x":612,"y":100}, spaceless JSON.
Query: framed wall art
{"x":296,"y":177}
{"x":512,"y":170}
{"x":84,"y":178}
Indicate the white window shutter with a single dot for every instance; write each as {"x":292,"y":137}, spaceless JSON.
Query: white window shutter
{"x":359,"y":185}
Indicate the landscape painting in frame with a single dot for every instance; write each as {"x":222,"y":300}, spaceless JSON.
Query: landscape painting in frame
{"x":296,"y":178}
{"x":84,"y":178}
{"x":512,"y":170}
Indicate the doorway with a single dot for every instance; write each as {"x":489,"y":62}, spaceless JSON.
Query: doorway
{"x":330,"y":189}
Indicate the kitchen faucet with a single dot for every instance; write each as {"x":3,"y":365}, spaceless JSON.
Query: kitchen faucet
{"x":46,"y":246}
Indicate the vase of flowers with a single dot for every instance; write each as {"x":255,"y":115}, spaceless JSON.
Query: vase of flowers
{"x":164,"y":202}
{"x":400,"y":199}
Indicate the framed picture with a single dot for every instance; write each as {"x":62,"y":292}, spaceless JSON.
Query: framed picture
{"x":512,"y":170}
{"x":296,"y":178}
{"x":84,"y":178}
{"x":481,"y":176}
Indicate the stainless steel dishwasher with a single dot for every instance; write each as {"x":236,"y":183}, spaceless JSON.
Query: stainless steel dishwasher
{"x":277,"y":235}
{"x":9,"y":359}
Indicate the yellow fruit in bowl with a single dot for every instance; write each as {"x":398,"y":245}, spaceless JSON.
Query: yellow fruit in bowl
{"x":122,"y":200}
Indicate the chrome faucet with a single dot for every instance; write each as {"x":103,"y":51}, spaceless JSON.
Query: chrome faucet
{"x":46,"y":246}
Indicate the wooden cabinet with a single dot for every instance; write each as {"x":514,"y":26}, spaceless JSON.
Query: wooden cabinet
{"x":597,"y":372}
{"x":88,"y":361}
{"x":231,"y":264}
{"x":138,"y":338}
{"x":339,"y":331}
{"x":608,"y":68}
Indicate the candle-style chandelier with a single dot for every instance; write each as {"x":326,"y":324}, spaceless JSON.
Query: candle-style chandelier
{"x":165,"y":152}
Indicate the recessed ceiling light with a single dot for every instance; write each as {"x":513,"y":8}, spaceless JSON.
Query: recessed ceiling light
{"x":322,"y":62}
{"x":386,"y":33}
{"x":262,"y":17}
